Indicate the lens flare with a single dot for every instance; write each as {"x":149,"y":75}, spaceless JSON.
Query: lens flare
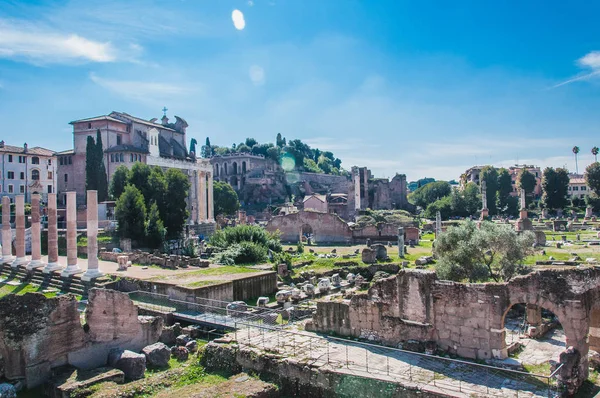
{"x":238,"y":19}
{"x":288,"y":162}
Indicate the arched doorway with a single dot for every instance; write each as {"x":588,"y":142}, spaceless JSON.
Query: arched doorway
{"x":306,"y":234}
{"x":235,"y":168}
{"x":243,"y":167}
{"x":534,"y":336}
{"x":225,"y":169}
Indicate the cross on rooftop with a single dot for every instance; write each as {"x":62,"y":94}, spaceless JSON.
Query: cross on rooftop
{"x":164,"y":109}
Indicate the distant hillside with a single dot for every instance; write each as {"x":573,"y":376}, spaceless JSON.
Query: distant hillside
{"x":294,"y":154}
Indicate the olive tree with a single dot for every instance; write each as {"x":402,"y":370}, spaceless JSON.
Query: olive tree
{"x":478,"y":254}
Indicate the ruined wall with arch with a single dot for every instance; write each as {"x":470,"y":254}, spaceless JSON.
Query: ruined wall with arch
{"x":463,"y":318}
{"x":326,"y":227}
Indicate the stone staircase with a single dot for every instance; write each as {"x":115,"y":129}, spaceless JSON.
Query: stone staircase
{"x":72,"y":284}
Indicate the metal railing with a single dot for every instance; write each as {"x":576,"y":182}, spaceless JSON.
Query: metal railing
{"x":263,"y":328}
{"x":392,"y":364}
{"x":208,"y":311}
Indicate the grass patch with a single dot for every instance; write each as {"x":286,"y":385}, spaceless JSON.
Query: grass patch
{"x":22,"y":289}
{"x":540,"y":369}
{"x":202,"y":283}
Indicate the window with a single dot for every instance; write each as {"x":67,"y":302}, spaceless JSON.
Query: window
{"x":584,"y":188}
{"x":49,"y":188}
{"x":22,"y":188}
{"x":70,"y":160}
{"x":575,"y":188}
{"x":11,"y":189}
{"x":10,"y":175}
{"x":131,"y":157}
{"x":49,"y":162}
{"x":22,"y":159}
{"x":49,"y":175}
{"x":35,"y":160}
{"x":122,"y":158}
{"x":66,"y":178}
{"x":9,"y":158}
{"x":35,"y":175}
{"x":89,"y":125}
{"x":119,"y":139}
{"x":60,"y":160}
{"x":22,"y":175}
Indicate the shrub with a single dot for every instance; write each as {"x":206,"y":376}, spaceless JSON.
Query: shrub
{"x":242,"y":253}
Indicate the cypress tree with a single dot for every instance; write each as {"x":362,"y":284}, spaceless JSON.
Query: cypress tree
{"x":102,"y":179}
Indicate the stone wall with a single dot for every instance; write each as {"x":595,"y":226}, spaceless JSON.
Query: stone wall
{"x":326,"y":228}
{"x":462,"y":318}
{"x":247,"y":287}
{"x":38,"y":334}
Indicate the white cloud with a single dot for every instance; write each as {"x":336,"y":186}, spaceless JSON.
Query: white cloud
{"x":143,"y":91}
{"x":590,"y":62}
{"x":41,"y":44}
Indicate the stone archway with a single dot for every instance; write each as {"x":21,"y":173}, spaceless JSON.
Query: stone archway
{"x":306,"y":232}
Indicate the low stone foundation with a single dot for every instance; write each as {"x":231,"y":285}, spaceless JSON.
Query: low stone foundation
{"x":299,"y":379}
{"x":161,"y":260}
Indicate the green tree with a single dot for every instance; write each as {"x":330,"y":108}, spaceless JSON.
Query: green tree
{"x":158,"y":190}
{"x":592,"y":177}
{"x":119,"y":182}
{"x":458,"y":204}
{"x":472,"y":198}
{"x":130,"y":213}
{"x":595,"y":151}
{"x":207,"y":150}
{"x":504,"y":190}
{"x":279,"y":141}
{"x":250,"y":142}
{"x":429,"y":193}
{"x":176,"y":213}
{"x":475,"y":254}
{"x":91,"y":165}
{"x":243,"y":148}
{"x":443,"y":205}
{"x":225,"y":199}
{"x":555,"y":184}
{"x":139,"y":176}
{"x":489,"y":174}
{"x":102,"y":178}
{"x":311,"y":166}
{"x":155,"y":229}
{"x":576,"y":152}
{"x":273,"y":153}
{"x":526,"y":181}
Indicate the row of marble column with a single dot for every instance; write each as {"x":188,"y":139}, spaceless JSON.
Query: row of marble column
{"x":72,"y":266}
{"x":205,"y":197}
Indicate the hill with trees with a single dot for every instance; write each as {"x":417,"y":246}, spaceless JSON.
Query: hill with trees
{"x":293,"y":154}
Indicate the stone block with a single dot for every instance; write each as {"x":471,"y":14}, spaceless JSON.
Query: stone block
{"x":132,"y":364}
{"x":466,"y":352}
{"x":157,"y":355}
{"x":180,"y":353}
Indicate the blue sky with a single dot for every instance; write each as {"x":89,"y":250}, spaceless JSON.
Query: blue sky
{"x":424,"y":88}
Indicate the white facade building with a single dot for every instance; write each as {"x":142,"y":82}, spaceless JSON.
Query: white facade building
{"x":26,"y":171}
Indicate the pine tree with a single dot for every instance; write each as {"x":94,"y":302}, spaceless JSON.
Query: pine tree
{"x":155,"y":229}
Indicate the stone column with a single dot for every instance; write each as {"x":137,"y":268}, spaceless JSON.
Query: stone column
{"x":356,"y":176}
{"x":53,"y":264}
{"x":401,"y":242}
{"x":534,"y":315}
{"x":7,"y":256}
{"x":92,"y":237}
{"x":72,"y":267}
{"x":20,"y":235}
{"x":211,"y":206}
{"x":36,"y":234}
{"x":201,"y":196}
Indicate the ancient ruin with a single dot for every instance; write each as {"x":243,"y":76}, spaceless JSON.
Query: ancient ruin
{"x":468,"y":319}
